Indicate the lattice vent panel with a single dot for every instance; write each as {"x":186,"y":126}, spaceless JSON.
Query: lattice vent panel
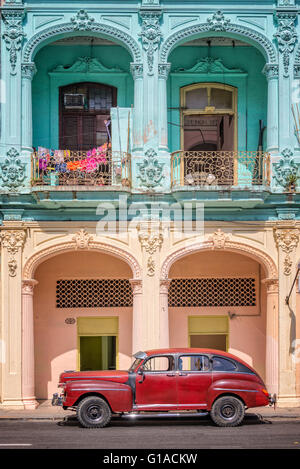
{"x":212,"y":292}
{"x":93,"y":293}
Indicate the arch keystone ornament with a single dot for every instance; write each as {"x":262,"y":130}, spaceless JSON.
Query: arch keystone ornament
{"x":287,"y":239}
{"x":82,"y":21}
{"x":219,"y":239}
{"x":82,"y":239}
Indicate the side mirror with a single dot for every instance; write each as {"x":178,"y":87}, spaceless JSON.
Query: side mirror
{"x":142,"y":374}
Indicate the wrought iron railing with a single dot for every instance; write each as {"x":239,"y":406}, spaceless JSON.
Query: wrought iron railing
{"x":220,"y":168}
{"x":81,"y":168}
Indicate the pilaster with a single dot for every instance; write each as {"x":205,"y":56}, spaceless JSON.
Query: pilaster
{"x":12,"y":237}
{"x":286,"y":236}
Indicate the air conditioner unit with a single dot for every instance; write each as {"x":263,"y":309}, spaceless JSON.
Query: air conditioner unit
{"x":74,"y":101}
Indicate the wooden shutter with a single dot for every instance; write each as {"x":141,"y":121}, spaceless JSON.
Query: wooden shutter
{"x":70,"y":135}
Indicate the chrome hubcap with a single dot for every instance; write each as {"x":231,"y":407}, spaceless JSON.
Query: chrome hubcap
{"x":228,"y":411}
{"x":94,"y":412}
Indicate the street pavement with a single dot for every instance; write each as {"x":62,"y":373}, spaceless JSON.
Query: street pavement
{"x":53,"y":428}
{"x":45,"y":411}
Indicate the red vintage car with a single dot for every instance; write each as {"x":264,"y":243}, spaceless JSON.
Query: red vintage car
{"x":189,"y":379}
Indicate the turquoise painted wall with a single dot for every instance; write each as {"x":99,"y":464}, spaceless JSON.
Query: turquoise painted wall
{"x":45,"y":88}
{"x":252,"y":89}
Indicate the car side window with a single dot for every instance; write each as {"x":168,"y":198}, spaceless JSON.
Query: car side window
{"x":193,"y":363}
{"x":222,"y":364}
{"x":159,"y":363}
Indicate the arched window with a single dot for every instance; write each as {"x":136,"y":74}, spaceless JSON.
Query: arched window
{"x":208,"y":117}
{"x":85,"y":114}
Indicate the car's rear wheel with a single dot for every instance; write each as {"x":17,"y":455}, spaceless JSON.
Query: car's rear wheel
{"x":93,"y":412}
{"x":227,"y":411}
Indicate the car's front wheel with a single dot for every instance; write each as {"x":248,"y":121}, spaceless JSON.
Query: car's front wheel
{"x":227,"y":411}
{"x":93,"y":412}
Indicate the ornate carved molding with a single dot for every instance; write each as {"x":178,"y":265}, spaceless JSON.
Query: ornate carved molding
{"x":86,"y":65}
{"x":13,"y":35}
{"x":150,"y":35}
{"x":28,"y":286}
{"x":28,"y":70}
{"x":272,"y":284}
{"x":13,"y":241}
{"x":82,"y":239}
{"x":287,"y":238}
{"x":286,"y":37}
{"x":137,"y":70}
{"x":164,"y":286}
{"x":151,"y":242}
{"x":82,"y":21}
{"x":95,"y":28}
{"x":67,"y":246}
{"x":218,"y":21}
{"x":150,"y":172}
{"x":219,"y":239}
{"x":12,"y":170}
{"x":231,"y":246}
{"x":271,"y":71}
{"x":285,"y":167}
{"x":164,"y":70}
{"x":137,"y":286}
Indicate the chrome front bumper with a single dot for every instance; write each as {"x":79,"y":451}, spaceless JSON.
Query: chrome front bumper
{"x":57,"y":400}
{"x":272,"y":399}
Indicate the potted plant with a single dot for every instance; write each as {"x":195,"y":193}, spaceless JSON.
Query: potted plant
{"x":291,"y":182}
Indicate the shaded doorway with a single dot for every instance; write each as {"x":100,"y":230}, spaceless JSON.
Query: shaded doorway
{"x":98,"y":353}
{"x":208,"y":332}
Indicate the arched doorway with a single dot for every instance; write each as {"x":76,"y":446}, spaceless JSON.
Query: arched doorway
{"x":221,"y":299}
{"x":82,"y":316}
{"x":85,"y":115}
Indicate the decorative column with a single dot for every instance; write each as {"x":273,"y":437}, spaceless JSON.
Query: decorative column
{"x":287,"y":238}
{"x":163,"y":73}
{"x":28,"y":384}
{"x":164,"y":337}
{"x":137,"y":71}
{"x":28,"y":72}
{"x":138,"y":325}
{"x":13,"y":35}
{"x":271,"y":72}
{"x":286,"y":15}
{"x":272,"y":335}
{"x":151,"y":37}
{"x":13,"y":238}
{"x":151,"y":239}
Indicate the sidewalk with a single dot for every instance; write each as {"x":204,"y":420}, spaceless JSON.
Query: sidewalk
{"x":46,"y":411}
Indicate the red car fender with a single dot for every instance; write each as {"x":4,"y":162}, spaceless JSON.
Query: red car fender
{"x":248,"y":391}
{"x":118,"y":396}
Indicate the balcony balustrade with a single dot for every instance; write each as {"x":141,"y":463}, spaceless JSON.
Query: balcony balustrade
{"x":81,"y":168}
{"x":211,"y":169}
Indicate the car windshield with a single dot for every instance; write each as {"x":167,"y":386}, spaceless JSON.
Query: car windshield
{"x":135,"y":364}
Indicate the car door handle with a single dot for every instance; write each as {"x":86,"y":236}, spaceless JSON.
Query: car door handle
{"x":183,"y":374}
{"x":171,"y":374}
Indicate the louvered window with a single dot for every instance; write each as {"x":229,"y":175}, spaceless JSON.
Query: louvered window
{"x":84,"y":108}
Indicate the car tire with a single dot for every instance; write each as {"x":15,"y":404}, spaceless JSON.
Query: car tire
{"x":227,"y":411}
{"x":93,"y":412}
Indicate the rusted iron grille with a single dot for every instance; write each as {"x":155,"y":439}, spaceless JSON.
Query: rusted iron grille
{"x":212,"y":292}
{"x":93,"y":293}
{"x":79,"y":168}
{"x":215,"y":168}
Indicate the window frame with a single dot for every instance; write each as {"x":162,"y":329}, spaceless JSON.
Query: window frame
{"x":195,"y":355}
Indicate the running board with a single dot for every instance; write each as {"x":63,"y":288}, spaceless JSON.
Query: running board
{"x":151,"y":415}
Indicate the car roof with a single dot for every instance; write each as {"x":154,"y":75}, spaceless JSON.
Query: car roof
{"x":197,"y":350}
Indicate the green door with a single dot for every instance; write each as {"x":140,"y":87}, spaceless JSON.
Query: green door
{"x":98,"y":353}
